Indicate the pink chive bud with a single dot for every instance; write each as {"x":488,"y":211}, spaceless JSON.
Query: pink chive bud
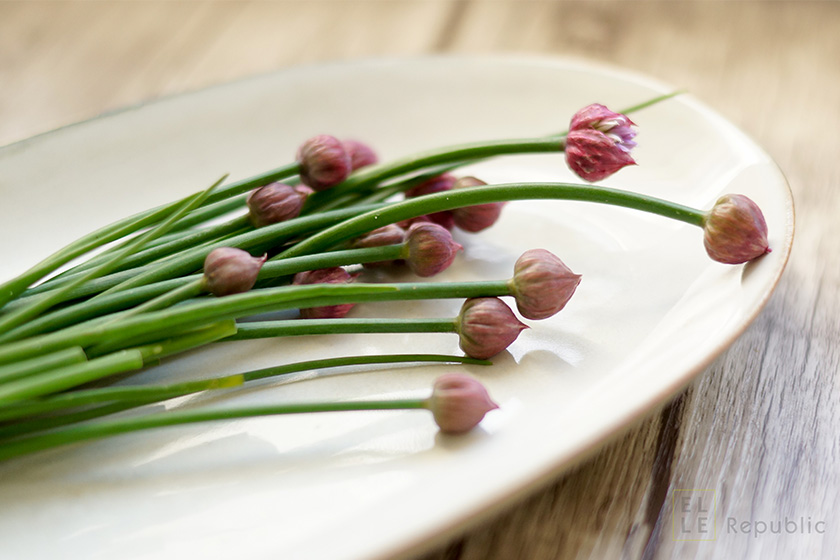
{"x":542,"y":284}
{"x":361,"y":155}
{"x":599,"y":142}
{"x":323,"y":161}
{"x":392,"y":234}
{"x":441,"y":183}
{"x":429,"y":249}
{"x":486,"y":326}
{"x":475,"y":218}
{"x":734,"y":231}
{"x":335,"y":275}
{"x":458,"y":403}
{"x":230,"y":271}
{"x":275,"y":203}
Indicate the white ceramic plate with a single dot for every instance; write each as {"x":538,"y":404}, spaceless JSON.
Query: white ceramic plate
{"x":651,"y":313}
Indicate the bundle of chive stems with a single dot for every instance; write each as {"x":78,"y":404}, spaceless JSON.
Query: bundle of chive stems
{"x":134,"y":294}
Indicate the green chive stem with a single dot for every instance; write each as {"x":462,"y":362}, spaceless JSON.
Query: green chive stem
{"x":108,"y":428}
{"x":300,"y":327}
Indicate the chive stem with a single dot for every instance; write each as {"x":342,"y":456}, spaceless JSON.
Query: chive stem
{"x":14,"y":287}
{"x":484,"y":194}
{"x":52,"y":381}
{"x":194,"y":314}
{"x":107,"y":428}
{"x":115,"y":302}
{"x":24,"y":368}
{"x":155,"y":393}
{"x":300,"y":327}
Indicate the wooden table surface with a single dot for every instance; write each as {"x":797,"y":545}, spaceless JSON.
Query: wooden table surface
{"x":760,"y":427}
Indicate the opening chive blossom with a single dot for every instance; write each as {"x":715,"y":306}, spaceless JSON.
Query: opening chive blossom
{"x":599,"y":142}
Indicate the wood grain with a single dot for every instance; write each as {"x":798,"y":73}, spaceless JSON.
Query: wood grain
{"x":760,"y":427}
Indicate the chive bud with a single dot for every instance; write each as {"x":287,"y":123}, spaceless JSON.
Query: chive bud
{"x":276,"y":202}
{"x":441,"y":183}
{"x":459,"y":402}
{"x":734,"y":230}
{"x":334,"y":275}
{"x":486,"y":326}
{"x":475,"y":218}
{"x":228,"y":270}
{"x":323,"y":161}
{"x":361,"y":155}
{"x":392,"y":234}
{"x":542,"y":284}
{"x":429,"y":249}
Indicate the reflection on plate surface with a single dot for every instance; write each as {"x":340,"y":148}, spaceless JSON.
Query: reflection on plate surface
{"x":651,"y":312}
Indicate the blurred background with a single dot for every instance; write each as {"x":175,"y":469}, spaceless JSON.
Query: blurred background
{"x":771,"y":67}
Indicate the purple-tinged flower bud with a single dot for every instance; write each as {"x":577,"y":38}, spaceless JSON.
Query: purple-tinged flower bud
{"x":441,"y":183}
{"x":276,"y":202}
{"x":599,"y":142}
{"x":335,"y":275}
{"x":323,"y":161}
{"x":459,"y":402}
{"x":486,"y":326}
{"x":475,"y":218}
{"x":230,"y":271}
{"x":392,"y":234}
{"x":542,"y":284}
{"x":361,"y":155}
{"x":734,"y":230}
{"x":429,"y":249}
{"x":594,"y":156}
{"x":615,"y":125}
{"x":303,"y":190}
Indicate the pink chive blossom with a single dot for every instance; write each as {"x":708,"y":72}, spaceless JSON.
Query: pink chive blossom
{"x":593,"y":156}
{"x":542,"y":284}
{"x":613,"y":124}
{"x":323,"y":161}
{"x":440,"y":183}
{"x":429,"y":249}
{"x":228,"y":270}
{"x":361,"y":155}
{"x":486,"y":327}
{"x":735,"y":231}
{"x":599,"y":142}
{"x":335,"y":275}
{"x":276,"y":202}
{"x":475,"y":218}
{"x":458,"y":403}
